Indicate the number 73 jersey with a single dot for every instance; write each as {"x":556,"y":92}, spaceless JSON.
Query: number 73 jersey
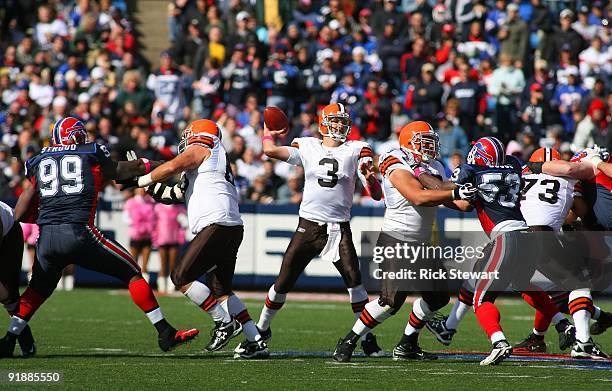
{"x":68,"y":180}
{"x":330,"y":175}
{"x":546,"y":199}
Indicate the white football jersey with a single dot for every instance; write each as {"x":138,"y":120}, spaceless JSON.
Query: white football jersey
{"x":546,"y":199}
{"x":6,"y":216}
{"x":330,"y":177}
{"x":211,"y":196}
{"x":414,"y":222}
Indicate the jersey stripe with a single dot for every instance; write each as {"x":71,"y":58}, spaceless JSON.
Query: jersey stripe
{"x":366,"y":152}
{"x":202,"y":140}
{"x":387,"y":163}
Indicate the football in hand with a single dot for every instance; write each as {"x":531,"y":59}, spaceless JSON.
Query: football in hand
{"x":275,"y":119}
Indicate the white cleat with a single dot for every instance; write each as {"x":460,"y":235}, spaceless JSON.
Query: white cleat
{"x":501,"y":350}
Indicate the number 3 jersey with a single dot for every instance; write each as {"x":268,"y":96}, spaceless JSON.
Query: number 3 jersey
{"x":330,"y":177}
{"x":414,"y":222}
{"x":211,"y":196}
{"x":68,"y":180}
{"x":546,"y":199}
{"x":497,"y":204}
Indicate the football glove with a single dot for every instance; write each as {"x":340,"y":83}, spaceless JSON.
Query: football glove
{"x":466,"y":192}
{"x":165,"y":194}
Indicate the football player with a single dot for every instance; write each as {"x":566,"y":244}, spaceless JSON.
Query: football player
{"x":409,"y":217}
{"x":546,"y":202}
{"x":11,"y":253}
{"x":498,"y":179}
{"x":212,"y":210}
{"x":331,"y":168}
{"x":66,"y":178}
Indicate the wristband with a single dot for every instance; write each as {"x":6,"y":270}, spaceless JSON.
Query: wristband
{"x":147,"y":164}
{"x":418,"y":171}
{"x":145,"y":180}
{"x":267,"y":137}
{"x":456,"y":195}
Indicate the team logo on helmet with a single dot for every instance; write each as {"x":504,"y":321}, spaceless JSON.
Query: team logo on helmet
{"x":487,"y":151}
{"x":68,"y":131}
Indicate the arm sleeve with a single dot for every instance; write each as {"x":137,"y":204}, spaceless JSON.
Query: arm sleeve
{"x":295,"y":158}
{"x":107,"y":165}
{"x":462,"y":175}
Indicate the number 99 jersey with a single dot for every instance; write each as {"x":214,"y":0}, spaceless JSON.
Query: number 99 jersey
{"x":546,"y":199}
{"x":330,"y":177}
{"x":497,"y":204}
{"x":68,"y":180}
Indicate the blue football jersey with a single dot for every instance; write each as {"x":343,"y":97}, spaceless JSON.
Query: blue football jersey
{"x":498,"y":191}
{"x":68,"y":180}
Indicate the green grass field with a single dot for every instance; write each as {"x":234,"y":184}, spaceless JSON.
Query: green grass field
{"x":100,"y":340}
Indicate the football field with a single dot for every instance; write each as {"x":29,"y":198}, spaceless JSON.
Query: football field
{"x":98,"y":339}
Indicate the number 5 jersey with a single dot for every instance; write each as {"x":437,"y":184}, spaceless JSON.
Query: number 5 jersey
{"x":330,"y":177}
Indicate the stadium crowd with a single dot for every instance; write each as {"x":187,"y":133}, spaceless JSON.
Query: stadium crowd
{"x":533,"y":73}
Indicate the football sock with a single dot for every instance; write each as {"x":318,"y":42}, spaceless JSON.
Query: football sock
{"x":274,"y":302}
{"x":16,"y":325}
{"x":581,"y":309}
{"x":142,"y":296}
{"x":372,"y":315}
{"x":419,"y":316}
{"x":488,"y":317}
{"x":456,"y":315}
{"x":236,"y":308}
{"x":201,"y":296}
{"x":29,"y":302}
{"x":358,"y":298}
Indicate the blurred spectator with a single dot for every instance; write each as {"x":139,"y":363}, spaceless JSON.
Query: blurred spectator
{"x":469,"y":94}
{"x":168,"y":236}
{"x":506,"y":85}
{"x":567,"y":98}
{"x":138,"y":213}
{"x":514,"y":35}
{"x":452,"y":139}
{"x":593,"y":129}
{"x":425,"y":96}
{"x":291,"y":192}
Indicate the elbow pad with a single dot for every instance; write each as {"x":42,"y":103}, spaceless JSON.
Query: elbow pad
{"x":166,"y":194}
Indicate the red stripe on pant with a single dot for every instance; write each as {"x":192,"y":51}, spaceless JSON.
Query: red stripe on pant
{"x":368,"y":319}
{"x":358,"y":307}
{"x":243,"y":316}
{"x":111,"y":246}
{"x":273,"y":305}
{"x":208,"y":303}
{"x":481,"y":287}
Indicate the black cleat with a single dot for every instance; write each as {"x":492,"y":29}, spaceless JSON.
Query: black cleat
{"x":567,"y":334}
{"x":602,"y":324}
{"x":222,"y":334}
{"x":7,"y":345}
{"x":26,"y":343}
{"x":172,"y":338}
{"x":370,"y":346}
{"x":411,"y":351}
{"x":252,"y":350}
{"x":344,"y":350}
{"x":437,"y":326}
{"x":532,"y":344}
{"x":501,"y":350}
{"x":266,"y":335}
{"x":588,"y":350}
